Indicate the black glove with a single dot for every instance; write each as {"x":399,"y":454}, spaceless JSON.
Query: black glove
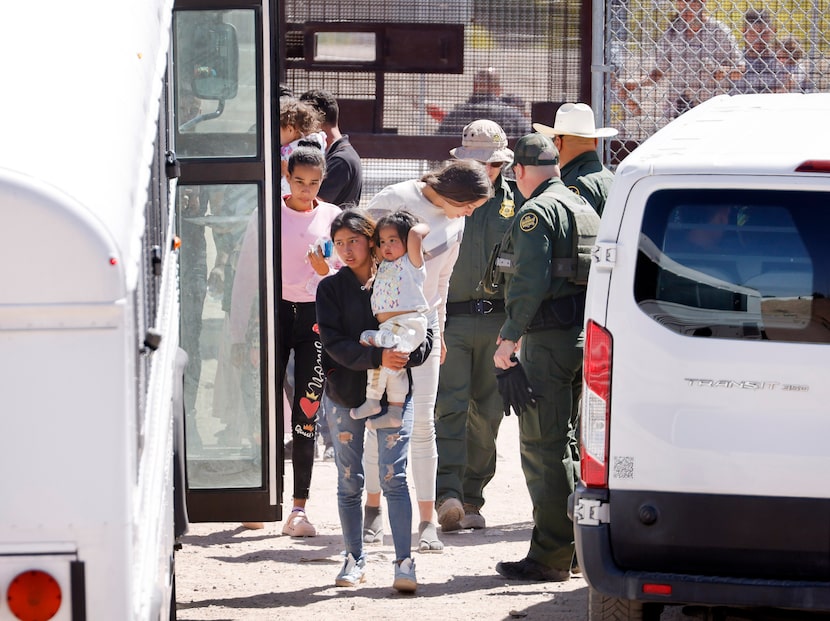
{"x":515,"y":390}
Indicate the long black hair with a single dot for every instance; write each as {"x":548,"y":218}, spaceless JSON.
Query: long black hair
{"x":462,"y":181}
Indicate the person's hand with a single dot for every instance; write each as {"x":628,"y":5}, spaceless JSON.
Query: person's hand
{"x":443,"y":350}
{"x":189,"y":202}
{"x":515,"y":389}
{"x":394,"y":360}
{"x":504,"y":351}
{"x":216,"y":281}
{"x":318,"y":261}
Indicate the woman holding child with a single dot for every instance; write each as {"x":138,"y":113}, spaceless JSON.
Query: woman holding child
{"x":344,"y":312}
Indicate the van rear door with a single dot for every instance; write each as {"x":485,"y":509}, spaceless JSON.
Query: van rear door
{"x":720,"y":306}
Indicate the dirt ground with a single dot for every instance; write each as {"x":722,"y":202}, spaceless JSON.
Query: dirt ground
{"x":228,"y":573}
{"x":225,"y":572}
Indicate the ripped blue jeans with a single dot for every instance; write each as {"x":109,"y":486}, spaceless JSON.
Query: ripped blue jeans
{"x":348,"y":436}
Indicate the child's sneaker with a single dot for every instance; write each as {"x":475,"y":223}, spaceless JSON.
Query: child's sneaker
{"x":297,"y":525}
{"x":353,"y":572}
{"x":405,"y":580}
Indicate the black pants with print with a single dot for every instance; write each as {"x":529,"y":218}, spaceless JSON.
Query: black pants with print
{"x":297,"y":328}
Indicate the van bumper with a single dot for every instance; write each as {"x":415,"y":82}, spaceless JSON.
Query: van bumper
{"x":596,"y":560}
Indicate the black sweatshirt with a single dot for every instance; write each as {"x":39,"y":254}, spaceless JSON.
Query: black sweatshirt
{"x":344,"y":310}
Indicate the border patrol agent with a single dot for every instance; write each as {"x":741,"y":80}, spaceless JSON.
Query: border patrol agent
{"x":581,"y":168}
{"x":468,"y":408}
{"x":548,"y":309}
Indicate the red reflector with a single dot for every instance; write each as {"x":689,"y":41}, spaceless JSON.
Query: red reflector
{"x":34,"y":596}
{"x":592,"y":473}
{"x":657,"y":589}
{"x":596,"y":401}
{"x":816,"y":166}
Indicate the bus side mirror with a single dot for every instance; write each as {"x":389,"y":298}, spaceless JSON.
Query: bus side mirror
{"x":216,"y":70}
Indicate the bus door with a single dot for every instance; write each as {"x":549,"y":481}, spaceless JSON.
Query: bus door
{"x":223,"y":140}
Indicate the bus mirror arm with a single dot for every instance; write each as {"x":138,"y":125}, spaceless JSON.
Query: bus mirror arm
{"x":188,"y":125}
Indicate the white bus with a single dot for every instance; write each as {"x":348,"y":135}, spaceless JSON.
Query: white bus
{"x":89,"y":314}
{"x":91,"y":368}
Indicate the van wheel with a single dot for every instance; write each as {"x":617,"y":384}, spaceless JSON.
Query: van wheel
{"x":603,"y":608}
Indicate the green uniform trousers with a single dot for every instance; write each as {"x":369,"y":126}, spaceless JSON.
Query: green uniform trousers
{"x":468,"y":409}
{"x":552,"y":360}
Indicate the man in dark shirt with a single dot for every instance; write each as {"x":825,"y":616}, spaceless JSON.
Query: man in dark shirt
{"x":486,"y":102}
{"x":576,"y":136}
{"x":343,"y":183}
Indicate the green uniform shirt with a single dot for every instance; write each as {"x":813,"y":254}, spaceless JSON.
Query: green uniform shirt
{"x":586,"y":176}
{"x":542,"y":230}
{"x":482,"y":231}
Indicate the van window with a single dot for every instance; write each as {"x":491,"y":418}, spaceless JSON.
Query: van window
{"x":737,"y":264}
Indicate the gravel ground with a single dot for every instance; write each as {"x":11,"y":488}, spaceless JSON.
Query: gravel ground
{"x":227,"y":572}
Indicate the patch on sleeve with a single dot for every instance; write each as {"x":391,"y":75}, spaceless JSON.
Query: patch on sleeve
{"x":574,"y":189}
{"x":528,"y":222}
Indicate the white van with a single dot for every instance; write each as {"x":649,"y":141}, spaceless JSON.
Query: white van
{"x":705,"y":471}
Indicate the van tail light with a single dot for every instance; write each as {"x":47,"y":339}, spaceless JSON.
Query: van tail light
{"x":596,"y":403}
{"x":814,"y":166}
{"x":34,"y":595}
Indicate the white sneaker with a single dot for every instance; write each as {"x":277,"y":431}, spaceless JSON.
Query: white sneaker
{"x":405,"y":580}
{"x":297,"y":525}
{"x":353,"y":572}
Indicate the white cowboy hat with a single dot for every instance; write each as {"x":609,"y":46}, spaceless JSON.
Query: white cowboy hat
{"x":575,"y":120}
{"x":485,"y":141}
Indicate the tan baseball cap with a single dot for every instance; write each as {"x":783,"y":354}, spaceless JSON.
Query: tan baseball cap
{"x":485,"y":141}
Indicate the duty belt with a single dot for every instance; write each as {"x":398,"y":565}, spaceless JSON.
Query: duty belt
{"x":475,"y":307}
{"x":559,"y":314}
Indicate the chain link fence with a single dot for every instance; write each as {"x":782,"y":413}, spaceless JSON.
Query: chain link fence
{"x":651,"y":59}
{"x":663,"y":57}
{"x":533,"y":47}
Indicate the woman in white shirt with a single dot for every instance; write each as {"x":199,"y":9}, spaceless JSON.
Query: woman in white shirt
{"x":440,"y":198}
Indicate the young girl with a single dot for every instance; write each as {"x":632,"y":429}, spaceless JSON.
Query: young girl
{"x":304,"y":220}
{"x":399,"y":305}
{"x":344,"y":311}
{"x":299,"y":121}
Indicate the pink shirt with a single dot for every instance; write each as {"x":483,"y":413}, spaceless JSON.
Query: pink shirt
{"x":299,"y":230}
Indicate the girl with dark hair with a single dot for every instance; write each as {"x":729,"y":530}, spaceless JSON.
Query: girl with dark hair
{"x":304,"y":220}
{"x":344,"y":312}
{"x":440,"y":199}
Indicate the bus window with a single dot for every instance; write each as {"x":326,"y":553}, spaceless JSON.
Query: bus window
{"x":215,"y":79}
{"x":220,"y":331}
